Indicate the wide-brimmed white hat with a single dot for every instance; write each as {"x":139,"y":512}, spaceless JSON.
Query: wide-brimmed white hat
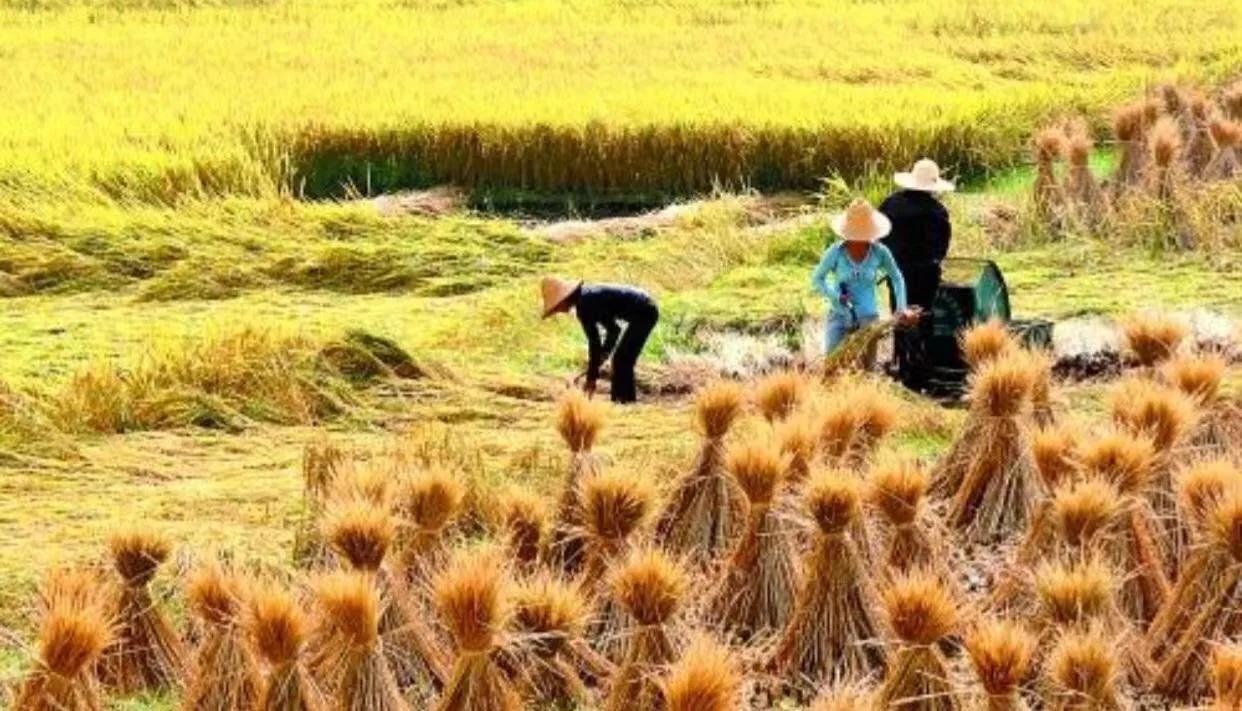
{"x":554,"y":291}
{"x":924,"y":176}
{"x":861,"y":223}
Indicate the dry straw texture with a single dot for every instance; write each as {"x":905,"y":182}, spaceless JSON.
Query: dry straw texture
{"x":473,"y":598}
{"x":798,"y":440}
{"x":920,"y":612}
{"x":756,"y":594}
{"x":146,"y":653}
{"x":986,"y":342}
{"x":779,"y":395}
{"x":1083,"y":673}
{"x":707,"y":677}
{"x":897,"y":487}
{"x":548,"y":614}
{"x":277,"y":628}
{"x":651,"y":587}
{"x":353,"y":606}
{"x":428,"y":503}
{"x":1227,"y":677}
{"x":835,"y":630}
{"x":1001,"y":653}
{"x":706,"y":510}
{"x":360,"y":533}
{"x":75,"y":627}
{"x":578,"y":420}
{"x":526,"y":520}
{"x":1152,"y":338}
{"x":224,"y":674}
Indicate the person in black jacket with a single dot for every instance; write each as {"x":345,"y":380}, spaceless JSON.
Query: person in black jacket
{"x":606,"y":307}
{"x":919,"y":242}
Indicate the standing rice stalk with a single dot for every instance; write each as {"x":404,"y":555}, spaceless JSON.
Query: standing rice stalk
{"x":1080,"y":185}
{"x":1125,"y":462}
{"x":75,"y":627}
{"x":1129,"y":129}
{"x":1219,"y":428}
{"x":548,"y":614}
{"x":835,"y":630}
{"x":365,"y":682}
{"x":1081,"y":597}
{"x":1164,"y":168}
{"x":276,"y":629}
{"x":1227,"y":677}
{"x":707,"y":511}
{"x":615,"y":506}
{"x":1203,"y":610}
{"x":997,"y":486}
{"x":985,"y":342}
{"x":1001,"y":653}
{"x":878,"y":414}
{"x":920,"y":613}
{"x":706,"y":678}
{"x":525,"y":516}
{"x":472,"y":597}
{"x":1083,"y":675}
{"x":1165,"y":417}
{"x":224,"y":675}
{"x":651,"y":587}
{"x":756,"y":592}
{"x":1226,"y":138}
{"x":362,"y":534}
{"x":427,"y":504}
{"x":579,"y":421}
{"x":145,"y":654}
{"x":897,"y":487}
{"x":1152,"y":338}
{"x":781,"y":394}
{"x":798,"y":440}
{"x":1049,"y":146}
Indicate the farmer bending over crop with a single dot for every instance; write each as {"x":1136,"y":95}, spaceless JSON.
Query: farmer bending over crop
{"x":606,"y":306}
{"x":919,"y":242}
{"x":855,"y":261}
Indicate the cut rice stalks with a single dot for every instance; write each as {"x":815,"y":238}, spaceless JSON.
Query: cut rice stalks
{"x":75,"y":627}
{"x":579,"y":421}
{"x":834,"y":633}
{"x":472,"y":596}
{"x":1001,"y":653}
{"x":651,"y":586}
{"x":707,"y":511}
{"x":781,"y":394}
{"x":920,"y":614}
{"x":224,"y":675}
{"x":364,"y":680}
{"x":756,"y":592}
{"x":145,"y":654}
{"x":913,"y":538}
{"x":548,"y":614}
{"x":991,"y":469}
{"x":706,"y":678}
{"x":1083,"y":675}
{"x":525,"y":517}
{"x":276,"y":628}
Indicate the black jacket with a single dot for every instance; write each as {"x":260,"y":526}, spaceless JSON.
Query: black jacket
{"x":921,"y":228}
{"x":607,"y":306}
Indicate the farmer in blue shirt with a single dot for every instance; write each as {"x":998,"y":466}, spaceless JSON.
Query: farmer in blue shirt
{"x":855,"y":263}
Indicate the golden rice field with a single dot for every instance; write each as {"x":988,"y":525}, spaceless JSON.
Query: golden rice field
{"x":161,"y":100}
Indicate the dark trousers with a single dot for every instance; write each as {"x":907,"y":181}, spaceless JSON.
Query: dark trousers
{"x":910,"y":342}
{"x":626,"y":355}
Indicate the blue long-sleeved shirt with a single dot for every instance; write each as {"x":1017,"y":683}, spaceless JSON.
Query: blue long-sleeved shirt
{"x":859,"y":279}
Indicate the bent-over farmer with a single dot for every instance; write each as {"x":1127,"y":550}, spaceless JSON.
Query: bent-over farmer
{"x":919,"y":242}
{"x":855,"y":262}
{"x":625,"y":314}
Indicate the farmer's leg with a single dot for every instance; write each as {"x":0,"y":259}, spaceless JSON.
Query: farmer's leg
{"x":835,"y":331}
{"x":624,"y":389}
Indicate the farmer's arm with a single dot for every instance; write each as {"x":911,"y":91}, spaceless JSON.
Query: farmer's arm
{"x":595,"y":346}
{"x":819,"y":278}
{"x":612,"y":331}
{"x":895,"y":280}
{"x":942,"y":233}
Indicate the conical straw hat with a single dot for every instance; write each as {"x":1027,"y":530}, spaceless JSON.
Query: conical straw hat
{"x":924,"y":176}
{"x":555,"y":291}
{"x":861,"y":223}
